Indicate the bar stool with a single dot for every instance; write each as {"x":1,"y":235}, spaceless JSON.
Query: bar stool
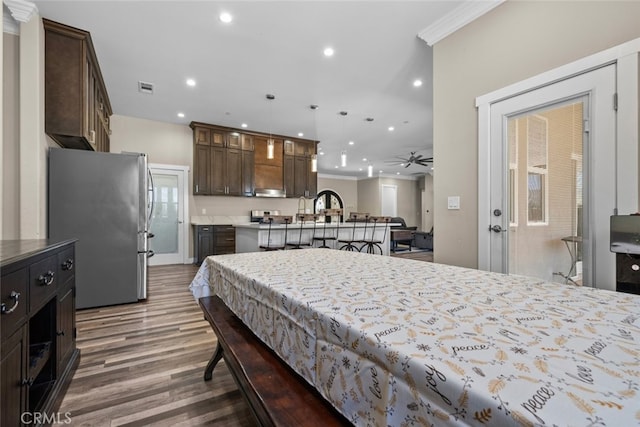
{"x":328,"y":213}
{"x":373,"y":243}
{"x":276,"y":219}
{"x":302,"y":218}
{"x":349,"y":244}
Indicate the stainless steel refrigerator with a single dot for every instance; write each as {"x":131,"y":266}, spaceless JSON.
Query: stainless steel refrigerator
{"x":102,"y":199}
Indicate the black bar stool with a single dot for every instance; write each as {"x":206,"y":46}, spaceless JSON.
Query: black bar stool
{"x":302,"y":218}
{"x":328,"y":213}
{"x":372,"y":243}
{"x":350,"y":244}
{"x":276,"y":219}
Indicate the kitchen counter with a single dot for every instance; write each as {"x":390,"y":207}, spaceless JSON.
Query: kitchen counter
{"x":218,"y":219}
{"x":249,"y":236}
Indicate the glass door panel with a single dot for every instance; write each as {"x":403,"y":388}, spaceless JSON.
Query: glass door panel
{"x":167,"y":220}
{"x":544,"y":189}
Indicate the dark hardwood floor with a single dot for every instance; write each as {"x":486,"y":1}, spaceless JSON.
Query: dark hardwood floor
{"x":142,"y":364}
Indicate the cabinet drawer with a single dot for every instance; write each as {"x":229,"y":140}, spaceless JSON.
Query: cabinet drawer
{"x":43,"y":281}
{"x":224,"y":239}
{"x":66,"y":265}
{"x":13,"y":293}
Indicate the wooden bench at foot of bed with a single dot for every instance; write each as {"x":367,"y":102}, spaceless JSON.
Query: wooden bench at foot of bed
{"x":276,"y":395}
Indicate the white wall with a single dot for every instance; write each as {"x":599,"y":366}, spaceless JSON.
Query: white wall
{"x":514,"y":41}
{"x":10,"y":137}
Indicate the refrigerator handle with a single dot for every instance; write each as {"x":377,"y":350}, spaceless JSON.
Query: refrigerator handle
{"x":153,"y":196}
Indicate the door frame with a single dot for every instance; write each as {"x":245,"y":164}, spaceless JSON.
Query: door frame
{"x":626,"y":57}
{"x":394,"y":202}
{"x":185,"y":207}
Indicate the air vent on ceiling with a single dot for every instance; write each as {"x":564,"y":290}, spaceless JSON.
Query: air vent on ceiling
{"x":145,"y":87}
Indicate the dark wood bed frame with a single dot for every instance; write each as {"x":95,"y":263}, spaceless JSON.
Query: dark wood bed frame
{"x":276,"y":395}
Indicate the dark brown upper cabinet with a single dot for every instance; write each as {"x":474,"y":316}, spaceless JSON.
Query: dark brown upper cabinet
{"x":232,"y":162}
{"x":77,"y":107}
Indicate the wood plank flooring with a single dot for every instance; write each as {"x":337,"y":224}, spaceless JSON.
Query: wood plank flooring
{"x":417,"y":255}
{"x":142,"y":364}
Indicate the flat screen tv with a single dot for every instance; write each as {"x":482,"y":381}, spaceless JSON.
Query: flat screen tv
{"x":625,"y":234}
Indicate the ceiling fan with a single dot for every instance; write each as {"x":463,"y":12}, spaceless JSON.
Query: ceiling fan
{"x":412,"y":159}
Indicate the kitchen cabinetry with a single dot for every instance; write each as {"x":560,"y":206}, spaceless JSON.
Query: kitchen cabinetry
{"x":39,"y":355}
{"x":231,"y":162}
{"x":77,"y":107}
{"x":299,"y":180}
{"x":213,"y":240}
{"x":219,"y":164}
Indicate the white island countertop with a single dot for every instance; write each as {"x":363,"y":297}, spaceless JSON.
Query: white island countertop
{"x":249,"y":236}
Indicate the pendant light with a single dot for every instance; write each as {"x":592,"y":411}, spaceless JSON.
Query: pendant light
{"x":270,"y":142}
{"x":343,"y":153}
{"x":314,"y":156}
{"x":370,"y":170}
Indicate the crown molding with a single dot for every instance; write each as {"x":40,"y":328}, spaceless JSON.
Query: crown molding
{"x":21,"y":10}
{"x":9,"y":25}
{"x":330,"y":176}
{"x":456,"y":19}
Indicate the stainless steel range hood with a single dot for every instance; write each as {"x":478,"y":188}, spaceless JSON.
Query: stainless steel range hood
{"x":270,"y":192}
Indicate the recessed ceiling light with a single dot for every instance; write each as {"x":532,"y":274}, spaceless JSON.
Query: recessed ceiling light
{"x":225,"y":17}
{"x":191,"y":82}
{"x":328,"y":51}
{"x":391,"y":128}
{"x":244,"y":125}
{"x":336,"y":166}
{"x":300,"y":134}
{"x":181,"y":115}
{"x":417,"y":83}
{"x":397,"y":173}
{"x":322,"y":153}
{"x":360,"y":169}
{"x":351,"y":142}
{"x":364,"y":159}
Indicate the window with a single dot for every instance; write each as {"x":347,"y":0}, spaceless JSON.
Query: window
{"x":512,"y":135}
{"x":537,"y":182}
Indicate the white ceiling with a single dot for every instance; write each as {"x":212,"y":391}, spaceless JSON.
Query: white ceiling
{"x":276,"y":48}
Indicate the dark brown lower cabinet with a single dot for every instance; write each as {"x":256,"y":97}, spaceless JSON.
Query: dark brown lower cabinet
{"x":38,"y":342}
{"x":213,"y":240}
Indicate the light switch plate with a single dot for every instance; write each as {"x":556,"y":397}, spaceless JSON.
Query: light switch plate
{"x":453,"y":202}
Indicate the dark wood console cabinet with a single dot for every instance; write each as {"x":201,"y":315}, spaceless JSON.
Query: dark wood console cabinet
{"x":77,"y":107}
{"x":38,"y":349}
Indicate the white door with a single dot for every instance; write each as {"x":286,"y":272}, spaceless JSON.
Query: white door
{"x":389,"y":200}
{"x":552,"y":181}
{"x":170,"y":208}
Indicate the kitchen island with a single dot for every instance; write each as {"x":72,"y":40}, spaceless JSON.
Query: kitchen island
{"x":249,"y":237}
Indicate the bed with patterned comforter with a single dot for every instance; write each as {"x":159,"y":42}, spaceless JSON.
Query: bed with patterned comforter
{"x":391,"y":341}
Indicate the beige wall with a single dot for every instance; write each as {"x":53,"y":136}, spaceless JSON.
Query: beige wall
{"x":507,"y":45}
{"x":346,"y":188}
{"x":10,"y":137}
{"x":409,"y":197}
